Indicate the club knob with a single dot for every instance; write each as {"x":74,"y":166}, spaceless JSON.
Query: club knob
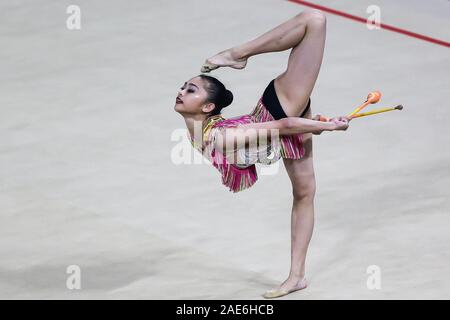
{"x":374,"y":96}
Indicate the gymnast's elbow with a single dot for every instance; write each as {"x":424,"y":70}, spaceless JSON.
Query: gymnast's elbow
{"x":286,"y":126}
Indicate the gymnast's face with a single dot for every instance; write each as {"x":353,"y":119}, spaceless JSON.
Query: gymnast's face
{"x":191,"y":98}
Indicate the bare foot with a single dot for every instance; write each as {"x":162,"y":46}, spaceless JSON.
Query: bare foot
{"x":290,"y":285}
{"x":226,"y":58}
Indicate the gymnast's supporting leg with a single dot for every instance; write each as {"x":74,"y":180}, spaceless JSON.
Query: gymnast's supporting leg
{"x":301,"y":173}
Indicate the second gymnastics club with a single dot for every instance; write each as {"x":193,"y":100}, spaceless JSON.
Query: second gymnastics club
{"x":368,"y":113}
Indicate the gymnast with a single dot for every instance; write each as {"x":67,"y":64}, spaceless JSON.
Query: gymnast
{"x":284,"y":107}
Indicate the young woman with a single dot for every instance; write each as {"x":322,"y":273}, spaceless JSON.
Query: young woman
{"x":284,"y":107}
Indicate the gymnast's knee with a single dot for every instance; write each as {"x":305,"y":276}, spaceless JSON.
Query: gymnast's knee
{"x":306,"y":190}
{"x":313,"y":17}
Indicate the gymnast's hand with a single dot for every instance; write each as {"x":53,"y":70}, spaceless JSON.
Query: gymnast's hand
{"x":340,"y":122}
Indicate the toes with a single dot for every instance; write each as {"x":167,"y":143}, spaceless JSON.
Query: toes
{"x":208,"y":67}
{"x":274,"y":293}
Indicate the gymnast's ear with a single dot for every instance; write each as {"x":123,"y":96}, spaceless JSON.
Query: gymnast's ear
{"x":208,"y":107}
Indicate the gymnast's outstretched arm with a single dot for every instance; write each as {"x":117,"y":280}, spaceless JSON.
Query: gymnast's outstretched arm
{"x":249,"y":134}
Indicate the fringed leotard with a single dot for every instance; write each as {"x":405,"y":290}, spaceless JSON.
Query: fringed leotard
{"x":239,"y":177}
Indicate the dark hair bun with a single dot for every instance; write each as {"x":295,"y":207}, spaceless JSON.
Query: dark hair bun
{"x":227,"y":98}
{"x":217,"y":94}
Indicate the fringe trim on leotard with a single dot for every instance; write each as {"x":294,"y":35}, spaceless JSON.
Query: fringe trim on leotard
{"x":235,"y":178}
{"x":291,"y":146}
